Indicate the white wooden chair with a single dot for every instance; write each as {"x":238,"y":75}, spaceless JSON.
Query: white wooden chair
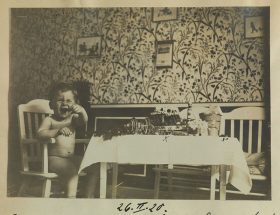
{"x":34,"y":153}
{"x":247,"y":124}
{"x":186,"y":176}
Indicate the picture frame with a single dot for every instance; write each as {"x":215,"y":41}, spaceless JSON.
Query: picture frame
{"x":89,"y":46}
{"x":164,"y":14}
{"x":164,"y":54}
{"x":253,"y":26}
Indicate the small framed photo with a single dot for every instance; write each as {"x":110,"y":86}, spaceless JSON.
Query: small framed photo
{"x":254,"y":26}
{"x":164,"y":14}
{"x":164,"y":54}
{"x":89,"y":46}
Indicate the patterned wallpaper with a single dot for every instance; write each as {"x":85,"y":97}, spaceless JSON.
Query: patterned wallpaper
{"x":212,"y":60}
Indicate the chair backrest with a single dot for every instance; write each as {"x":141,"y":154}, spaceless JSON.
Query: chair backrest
{"x":246,"y":124}
{"x":30,"y":116}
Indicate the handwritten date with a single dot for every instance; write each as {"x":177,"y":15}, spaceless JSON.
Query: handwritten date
{"x":142,"y":206}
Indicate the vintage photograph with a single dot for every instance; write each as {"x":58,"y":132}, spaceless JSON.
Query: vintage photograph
{"x":118,"y":103}
{"x":254,"y":26}
{"x":89,"y":46}
{"x":164,"y":14}
{"x":164,"y":58}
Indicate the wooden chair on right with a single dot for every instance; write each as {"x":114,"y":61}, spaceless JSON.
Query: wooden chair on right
{"x":248,"y":125}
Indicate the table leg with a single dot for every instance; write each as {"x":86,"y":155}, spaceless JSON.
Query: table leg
{"x":223,"y":183}
{"x":170,"y":181}
{"x":114,"y":180}
{"x":157,"y":184}
{"x":214,"y":171}
{"x":170,"y":184}
{"x":103,"y":180}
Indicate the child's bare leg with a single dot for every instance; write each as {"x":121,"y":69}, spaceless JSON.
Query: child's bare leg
{"x":67,"y":172}
{"x":91,"y":185}
{"x":93,"y":178}
{"x":71,"y":188}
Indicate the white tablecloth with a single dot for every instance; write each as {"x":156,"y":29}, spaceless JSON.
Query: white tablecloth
{"x":160,"y":149}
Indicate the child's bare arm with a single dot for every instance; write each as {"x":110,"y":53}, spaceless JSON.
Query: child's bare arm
{"x":80,"y":117}
{"x":45,"y":131}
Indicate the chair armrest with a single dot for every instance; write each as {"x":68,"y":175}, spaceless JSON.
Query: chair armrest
{"x":51,"y":141}
{"x":33,"y":140}
{"x":39,"y":174}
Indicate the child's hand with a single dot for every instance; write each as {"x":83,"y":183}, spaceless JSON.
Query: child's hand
{"x":80,"y":116}
{"x":77,"y":109}
{"x":65,"y":131}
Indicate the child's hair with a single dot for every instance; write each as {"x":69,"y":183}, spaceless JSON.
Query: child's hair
{"x":62,"y":87}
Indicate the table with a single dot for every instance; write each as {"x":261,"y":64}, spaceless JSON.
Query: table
{"x":172,"y":150}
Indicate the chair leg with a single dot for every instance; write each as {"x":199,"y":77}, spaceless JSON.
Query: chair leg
{"x":103,"y":180}
{"x":157,"y":184}
{"x":114,"y":180}
{"x":223,"y":182}
{"x":214,"y":172}
{"x":46,"y":192}
{"x":23,"y":187}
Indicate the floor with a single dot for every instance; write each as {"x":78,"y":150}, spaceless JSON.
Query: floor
{"x":132,"y":187}
{"x":128,"y":192}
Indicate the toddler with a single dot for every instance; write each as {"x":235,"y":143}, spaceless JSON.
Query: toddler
{"x":68,"y":116}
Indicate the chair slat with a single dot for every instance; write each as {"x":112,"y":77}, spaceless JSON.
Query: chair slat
{"x":232,"y":128}
{"x":241,"y":133}
{"x":29,"y":125}
{"x":250,"y":135}
{"x":30,"y":134}
{"x":259,"y":136}
{"x":37,"y":123}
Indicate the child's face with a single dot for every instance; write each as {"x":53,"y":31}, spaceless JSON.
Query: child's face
{"x":63,"y":103}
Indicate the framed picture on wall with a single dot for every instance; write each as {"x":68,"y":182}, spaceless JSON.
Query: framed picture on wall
{"x":164,"y":14}
{"x":89,"y":46}
{"x":164,"y":54}
{"x":254,"y":26}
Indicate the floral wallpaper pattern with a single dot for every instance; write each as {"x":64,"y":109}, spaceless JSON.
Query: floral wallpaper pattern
{"x":212,"y":61}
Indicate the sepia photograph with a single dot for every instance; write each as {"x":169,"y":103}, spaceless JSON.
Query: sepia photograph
{"x":164,"y":14}
{"x":164,"y":54}
{"x":124,"y":126}
{"x":140,"y":106}
{"x":254,"y":26}
{"x":89,"y":46}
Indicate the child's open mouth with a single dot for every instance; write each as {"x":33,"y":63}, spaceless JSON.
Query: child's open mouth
{"x":64,"y":109}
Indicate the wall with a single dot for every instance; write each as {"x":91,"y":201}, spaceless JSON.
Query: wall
{"x":212,"y":61}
